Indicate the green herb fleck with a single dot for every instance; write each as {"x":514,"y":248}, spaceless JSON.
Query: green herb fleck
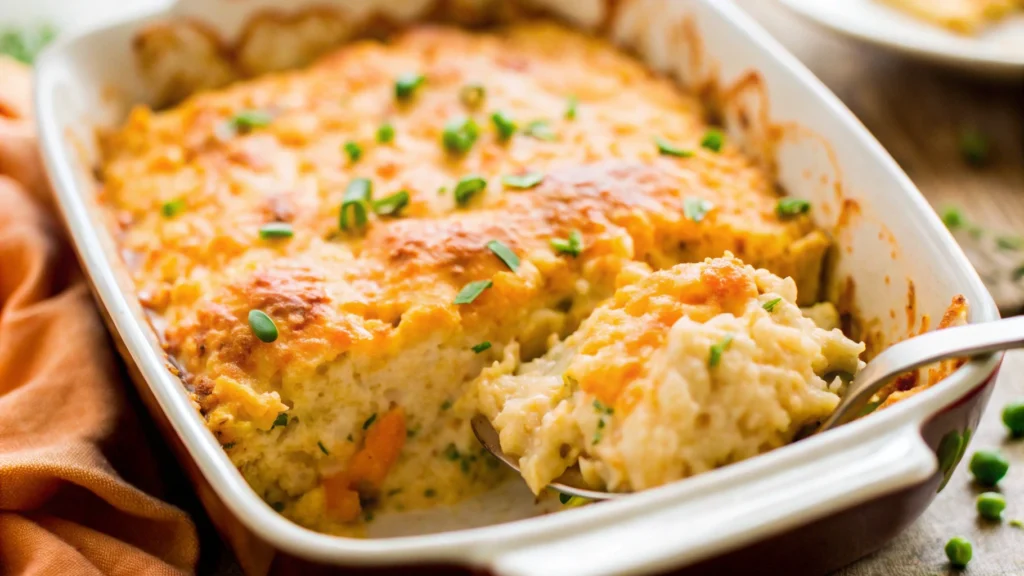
{"x":771,"y":304}
{"x":472,"y":95}
{"x":974,"y":147}
{"x":430,"y":493}
{"x":573,"y":246}
{"x":451,"y":452}
{"x":24,"y":44}
{"x":459,"y":134}
{"x":281,"y":420}
{"x":394,"y":491}
{"x":504,"y":253}
{"x":447,"y":404}
{"x":504,"y":125}
{"x":600,"y":407}
{"x":272,"y":230}
{"x":172,"y":208}
{"x":870,"y":407}
{"x":391,"y":205}
{"x":541,"y":130}
{"x":369,"y":421}
{"x":713,"y":140}
{"x":407,"y":84}
{"x":1011,"y":243}
{"x":277,"y":506}
{"x":467,"y":187}
{"x":669,"y":149}
{"x":248,"y":120}
{"x":789,"y":207}
{"x":564,"y":498}
{"x":522,"y":181}
{"x":715,"y":355}
{"x":368,"y":517}
{"x":953,"y":218}
{"x":571,"y":103}
{"x":322,"y":448}
{"x":470,"y":291}
{"x":228,"y":446}
{"x":481,"y":347}
{"x":386,"y":133}
{"x":349,"y":438}
{"x":354,"y":151}
{"x":1018,"y":272}
{"x":357,"y":196}
{"x":696,"y":208}
{"x":262,"y":325}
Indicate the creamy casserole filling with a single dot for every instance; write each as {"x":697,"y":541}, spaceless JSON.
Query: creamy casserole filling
{"x":963,"y":16}
{"x":338,"y":253}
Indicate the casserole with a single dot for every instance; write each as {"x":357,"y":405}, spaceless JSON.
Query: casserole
{"x":781,"y":115}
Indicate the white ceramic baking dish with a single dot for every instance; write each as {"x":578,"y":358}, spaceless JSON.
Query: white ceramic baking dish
{"x":813,"y":505}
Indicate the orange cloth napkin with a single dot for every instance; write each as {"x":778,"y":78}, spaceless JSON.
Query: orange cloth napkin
{"x":68,"y":436}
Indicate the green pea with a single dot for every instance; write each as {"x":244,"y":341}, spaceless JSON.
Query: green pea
{"x":991,"y":505}
{"x":989,"y":467}
{"x":262,"y":325}
{"x":1013,"y":417}
{"x":959,"y":551}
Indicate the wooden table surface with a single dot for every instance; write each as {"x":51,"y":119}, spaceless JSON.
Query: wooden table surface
{"x":919,"y":112}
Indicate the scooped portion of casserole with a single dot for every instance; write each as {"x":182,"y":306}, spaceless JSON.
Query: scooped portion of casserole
{"x":335,"y":254}
{"x":683,"y":370}
{"x":963,"y":16}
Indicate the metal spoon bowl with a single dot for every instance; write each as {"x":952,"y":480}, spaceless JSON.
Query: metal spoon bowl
{"x":970,"y":341}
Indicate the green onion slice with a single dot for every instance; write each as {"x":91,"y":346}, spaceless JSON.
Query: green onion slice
{"x":470,"y":291}
{"x":276,"y":230}
{"x":789,"y":207}
{"x":573,"y":246}
{"x":696,"y":208}
{"x":357,"y":196}
{"x":407,"y":84}
{"x":522,"y":181}
{"x":262,"y":325}
{"x":669,"y":149}
{"x":713,"y":140}
{"x":391,"y":205}
{"x":504,"y":125}
{"x":467,"y":187}
{"x":459,"y":134}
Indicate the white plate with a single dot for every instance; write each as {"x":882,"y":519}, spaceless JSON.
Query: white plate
{"x":997,"y":50}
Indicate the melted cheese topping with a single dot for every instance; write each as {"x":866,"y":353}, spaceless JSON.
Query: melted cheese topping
{"x":366,"y":322}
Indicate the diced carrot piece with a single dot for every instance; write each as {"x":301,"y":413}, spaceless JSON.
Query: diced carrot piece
{"x":342,"y":501}
{"x":384,"y":441}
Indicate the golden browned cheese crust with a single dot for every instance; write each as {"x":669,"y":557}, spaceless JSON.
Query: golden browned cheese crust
{"x":374,"y":294}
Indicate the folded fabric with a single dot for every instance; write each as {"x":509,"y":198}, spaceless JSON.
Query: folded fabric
{"x":77,"y":480}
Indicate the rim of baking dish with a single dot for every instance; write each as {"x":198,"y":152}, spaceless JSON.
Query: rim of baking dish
{"x":479,"y":546}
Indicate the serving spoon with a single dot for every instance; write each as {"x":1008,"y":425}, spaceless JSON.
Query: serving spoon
{"x":968,"y":341}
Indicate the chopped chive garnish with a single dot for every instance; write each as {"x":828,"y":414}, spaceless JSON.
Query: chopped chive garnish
{"x":472,"y":95}
{"x":247,"y":120}
{"x":262,"y":325}
{"x":386,"y":133}
{"x":788,"y":207}
{"x":505,"y":254}
{"x":459,"y":134}
{"x":369,"y":421}
{"x":600,"y":407}
{"x":481,"y":347}
{"x":446,"y":405}
{"x":322,"y":448}
{"x":715,"y":355}
{"x":281,"y":420}
{"x":541,"y":130}
{"x":598,"y":435}
{"x":571,"y":104}
{"x":870,"y":407}
{"x":391,"y":205}
{"x":394,"y":491}
{"x":713,"y":140}
{"x":406,"y":85}
{"x":470,"y":291}
{"x":172,"y":208}
{"x":467,"y":187}
{"x":354,"y":151}
{"x":572,"y":246}
{"x":522,"y":181}
{"x":953,"y":218}
{"x":696,"y":208}
{"x":669,"y":149}
{"x":442,"y":190}
{"x":504,"y":125}
{"x":349,"y":438}
{"x":357,"y":196}
{"x":564,"y":498}
{"x":974,"y":147}
{"x":278,"y":506}
{"x":451,"y":452}
{"x":276,"y":230}
{"x":1013,"y":243}
{"x":771,"y":304}
{"x":228,"y":446}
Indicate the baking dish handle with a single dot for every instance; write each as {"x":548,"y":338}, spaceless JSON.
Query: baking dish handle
{"x":747,"y":502}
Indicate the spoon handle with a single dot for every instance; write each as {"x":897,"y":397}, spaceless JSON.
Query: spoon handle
{"x":958,"y":342}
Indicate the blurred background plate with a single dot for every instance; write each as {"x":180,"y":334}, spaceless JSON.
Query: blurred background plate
{"x":997,"y":50}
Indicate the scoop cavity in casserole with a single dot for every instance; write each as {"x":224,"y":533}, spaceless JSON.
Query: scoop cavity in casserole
{"x":334,"y":256}
{"x":683,"y":370}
